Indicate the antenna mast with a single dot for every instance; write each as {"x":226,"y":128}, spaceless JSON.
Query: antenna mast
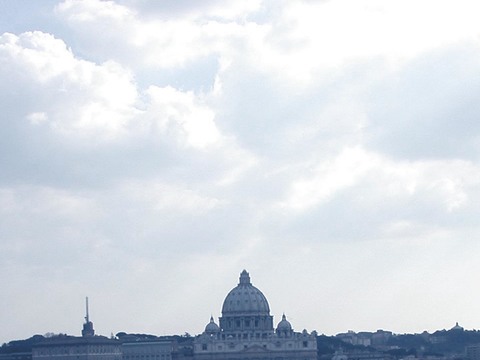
{"x":86,"y":305}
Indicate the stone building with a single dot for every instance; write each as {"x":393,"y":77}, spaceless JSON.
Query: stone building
{"x":148,"y":350}
{"x":246,"y":331}
{"x":77,"y":348}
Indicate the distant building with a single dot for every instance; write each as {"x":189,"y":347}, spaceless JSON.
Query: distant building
{"x":381,"y":337}
{"x":87,"y":347}
{"x":150,"y":347}
{"x":246,"y":331}
{"x":367,"y":355}
{"x":77,"y":348}
{"x":148,"y":350}
{"x":353,"y":338}
{"x":17,"y":356}
{"x":378,"y":339}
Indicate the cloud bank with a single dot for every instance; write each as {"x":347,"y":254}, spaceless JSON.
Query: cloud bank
{"x":150,"y":152}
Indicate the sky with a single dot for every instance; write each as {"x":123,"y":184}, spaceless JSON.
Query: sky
{"x":152,"y":150}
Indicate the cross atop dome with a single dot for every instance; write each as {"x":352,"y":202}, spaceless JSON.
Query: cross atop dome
{"x":244,"y":278}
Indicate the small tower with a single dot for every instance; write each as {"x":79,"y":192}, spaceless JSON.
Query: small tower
{"x":88,"y":326}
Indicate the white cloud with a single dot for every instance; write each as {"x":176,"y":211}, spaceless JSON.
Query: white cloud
{"x":360,"y":195}
{"x":161,"y":43}
{"x":329,"y":35}
{"x":329,"y":177}
{"x":101,"y":102}
{"x":221,"y":9}
{"x":49,"y":202}
{"x":163,"y":197}
{"x":313,"y":138}
{"x":74,"y":96}
{"x":92,"y":10}
{"x":37,"y":117}
{"x":182,"y":115}
{"x":38,"y":54}
{"x":310,"y":40}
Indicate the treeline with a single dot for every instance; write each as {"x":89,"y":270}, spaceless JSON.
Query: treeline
{"x":20,"y":346}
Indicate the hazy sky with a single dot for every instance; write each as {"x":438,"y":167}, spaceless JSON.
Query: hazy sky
{"x":151,"y":150}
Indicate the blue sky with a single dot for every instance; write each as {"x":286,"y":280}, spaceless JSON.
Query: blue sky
{"x":150,"y":151}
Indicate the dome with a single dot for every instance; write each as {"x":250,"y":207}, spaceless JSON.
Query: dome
{"x":211,"y":327}
{"x":457,"y":327}
{"x":284,"y":325}
{"x":245,"y":299}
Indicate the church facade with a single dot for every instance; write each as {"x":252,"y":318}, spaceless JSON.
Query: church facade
{"x":246,"y":331}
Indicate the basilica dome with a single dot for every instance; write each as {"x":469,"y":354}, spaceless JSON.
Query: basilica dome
{"x":245,"y":331}
{"x":245,"y":299}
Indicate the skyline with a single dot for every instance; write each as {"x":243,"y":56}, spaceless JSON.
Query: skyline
{"x":150,"y":151}
{"x":87,"y":320}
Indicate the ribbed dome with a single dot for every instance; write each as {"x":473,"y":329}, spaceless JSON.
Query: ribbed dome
{"x":245,"y":299}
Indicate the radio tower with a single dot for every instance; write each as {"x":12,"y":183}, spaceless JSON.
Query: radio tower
{"x":88,"y":326}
